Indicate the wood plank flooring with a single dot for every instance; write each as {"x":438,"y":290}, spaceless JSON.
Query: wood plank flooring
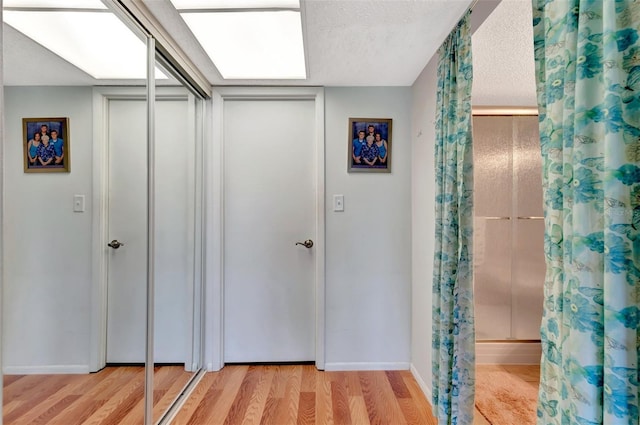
{"x":260,"y":395}
{"x":115,"y":395}
{"x":302,"y":395}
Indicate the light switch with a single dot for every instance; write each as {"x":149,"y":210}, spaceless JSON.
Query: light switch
{"x":78,"y":203}
{"x":338,"y":202}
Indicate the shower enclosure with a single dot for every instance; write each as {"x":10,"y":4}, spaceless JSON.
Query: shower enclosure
{"x":509,"y":263}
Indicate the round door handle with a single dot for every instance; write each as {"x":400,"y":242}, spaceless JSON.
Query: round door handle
{"x":307,"y":244}
{"x":115,"y":244}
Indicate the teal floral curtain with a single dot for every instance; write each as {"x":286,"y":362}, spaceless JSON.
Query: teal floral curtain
{"x":453,"y":326}
{"x":588,"y":79}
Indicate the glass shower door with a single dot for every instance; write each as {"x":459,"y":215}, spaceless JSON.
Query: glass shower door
{"x":528,"y":242}
{"x":508,"y":228}
{"x":493,"y":181}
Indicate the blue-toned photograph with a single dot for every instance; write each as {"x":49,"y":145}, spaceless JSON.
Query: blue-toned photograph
{"x":370,"y":145}
{"x":46,"y":145}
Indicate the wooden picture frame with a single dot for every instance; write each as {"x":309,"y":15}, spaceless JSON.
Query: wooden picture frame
{"x":369,"y":141}
{"x":45,"y":144}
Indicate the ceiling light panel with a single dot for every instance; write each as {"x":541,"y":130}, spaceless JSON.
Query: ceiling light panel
{"x":66,"y":4}
{"x":96,"y":42}
{"x":235,"y":4}
{"x":252,"y":45}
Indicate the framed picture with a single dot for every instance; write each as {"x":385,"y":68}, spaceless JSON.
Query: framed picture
{"x":370,"y":145}
{"x":46,"y":145}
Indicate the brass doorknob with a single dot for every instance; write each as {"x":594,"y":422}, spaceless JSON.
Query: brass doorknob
{"x":115,"y":244}
{"x":307,"y":244}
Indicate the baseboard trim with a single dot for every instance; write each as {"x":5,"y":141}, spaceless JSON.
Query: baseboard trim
{"x":46,"y":370}
{"x":528,"y":353}
{"x":423,"y":385}
{"x":341,"y":367}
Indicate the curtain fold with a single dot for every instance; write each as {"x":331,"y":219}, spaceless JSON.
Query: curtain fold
{"x":588,"y":81}
{"x":453,"y":326}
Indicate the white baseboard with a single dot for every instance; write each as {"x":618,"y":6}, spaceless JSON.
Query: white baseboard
{"x":423,"y":385}
{"x":46,"y":370}
{"x":508,"y":352}
{"x":365,"y":366}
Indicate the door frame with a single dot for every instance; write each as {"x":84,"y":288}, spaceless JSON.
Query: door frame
{"x":100,"y":212}
{"x":214,"y":248}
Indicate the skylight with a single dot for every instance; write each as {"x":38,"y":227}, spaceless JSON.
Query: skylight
{"x":235,"y":4}
{"x":58,"y":4}
{"x":249,"y":39}
{"x":96,"y":42}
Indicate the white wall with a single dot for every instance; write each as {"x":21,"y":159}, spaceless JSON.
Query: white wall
{"x":423,"y":220}
{"x":47,"y":271}
{"x":368,"y":246}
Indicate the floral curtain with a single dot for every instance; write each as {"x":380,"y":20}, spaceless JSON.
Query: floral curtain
{"x":453,"y":326}
{"x":588,"y":79}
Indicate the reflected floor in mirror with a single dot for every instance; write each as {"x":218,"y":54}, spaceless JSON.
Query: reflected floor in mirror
{"x":114,"y":395}
{"x":300,"y":394}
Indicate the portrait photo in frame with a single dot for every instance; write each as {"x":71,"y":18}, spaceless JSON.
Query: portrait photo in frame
{"x":369,"y":142}
{"x":46,"y":145}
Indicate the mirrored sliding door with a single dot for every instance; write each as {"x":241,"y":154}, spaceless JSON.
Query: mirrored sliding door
{"x":178,"y":224}
{"x":55,"y":305}
{"x":96,"y":257}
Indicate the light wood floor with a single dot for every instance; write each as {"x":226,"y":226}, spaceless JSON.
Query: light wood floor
{"x":281,"y":395}
{"x":112,"y":396}
{"x":530,"y":374}
{"x":275,"y":395}
{"x":235,"y":395}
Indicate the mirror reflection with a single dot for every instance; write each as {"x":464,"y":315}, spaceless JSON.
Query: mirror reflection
{"x":178,"y":244}
{"x":74,"y":306}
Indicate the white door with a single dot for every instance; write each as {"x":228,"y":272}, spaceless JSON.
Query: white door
{"x":127,"y":272}
{"x":269,"y":205}
{"x":127,"y":223}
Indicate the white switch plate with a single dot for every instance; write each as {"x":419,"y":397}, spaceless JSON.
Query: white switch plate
{"x":78,"y":203}
{"x":338,"y":202}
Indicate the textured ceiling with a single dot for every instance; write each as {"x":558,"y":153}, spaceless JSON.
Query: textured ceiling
{"x":503,"y":62}
{"x":348,"y":43}
{"x":375,"y":43}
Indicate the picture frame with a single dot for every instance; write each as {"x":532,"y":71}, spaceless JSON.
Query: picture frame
{"x":45,"y":144}
{"x":365,"y":156}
